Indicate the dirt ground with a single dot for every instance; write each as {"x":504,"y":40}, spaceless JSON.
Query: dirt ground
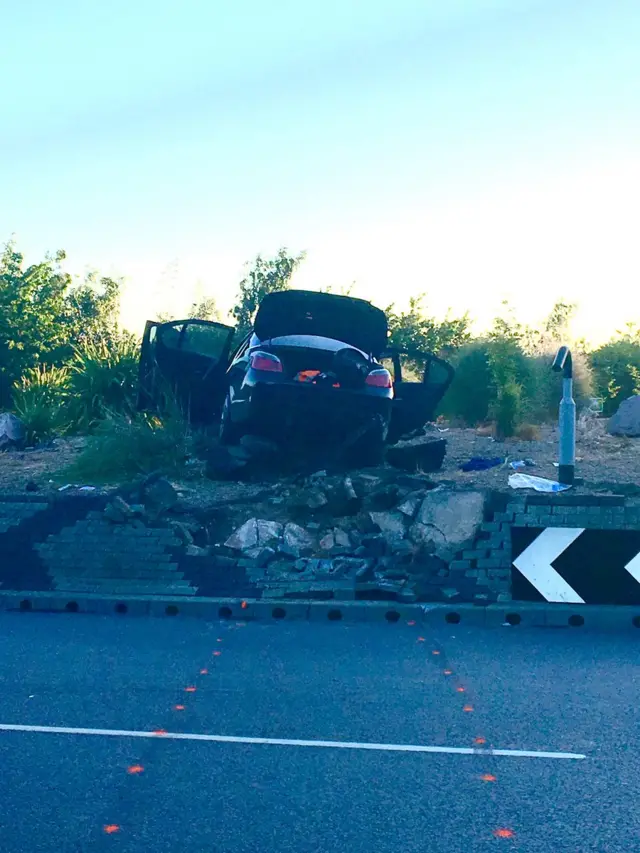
{"x":602,"y":462}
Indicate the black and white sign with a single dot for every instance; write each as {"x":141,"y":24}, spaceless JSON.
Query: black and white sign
{"x":576,"y":566}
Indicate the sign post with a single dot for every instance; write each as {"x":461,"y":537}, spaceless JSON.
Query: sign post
{"x":563,"y":363}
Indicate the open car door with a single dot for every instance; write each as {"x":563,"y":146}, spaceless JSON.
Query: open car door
{"x":189,"y":358}
{"x":420,"y":381}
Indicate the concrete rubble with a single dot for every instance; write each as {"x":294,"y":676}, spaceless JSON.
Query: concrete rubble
{"x":376,"y":534}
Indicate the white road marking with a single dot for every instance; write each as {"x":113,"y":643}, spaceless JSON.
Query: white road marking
{"x":270,"y":741}
{"x":535,"y":563}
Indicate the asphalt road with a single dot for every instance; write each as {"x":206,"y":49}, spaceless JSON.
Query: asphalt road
{"x":117,"y":785}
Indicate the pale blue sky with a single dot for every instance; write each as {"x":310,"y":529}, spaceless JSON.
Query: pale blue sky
{"x":475,"y":149}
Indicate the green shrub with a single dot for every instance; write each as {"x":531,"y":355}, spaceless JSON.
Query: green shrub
{"x":511,"y":354}
{"x":40,"y":401}
{"x":470,"y":394}
{"x":506,"y":410}
{"x":123,"y":447}
{"x":103,"y":379}
{"x":616,"y":369}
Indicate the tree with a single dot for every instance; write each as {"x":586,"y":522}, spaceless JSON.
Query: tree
{"x":44,"y":316}
{"x":414,"y":330}
{"x":204,"y":309}
{"x":263,"y":276}
{"x":91,"y":309}
{"x":31,"y":302}
{"x":616,"y":368}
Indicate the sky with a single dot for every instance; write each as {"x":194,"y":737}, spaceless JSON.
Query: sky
{"x":473,"y":150}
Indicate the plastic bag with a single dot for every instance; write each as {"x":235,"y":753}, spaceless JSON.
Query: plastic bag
{"x":540,"y":484}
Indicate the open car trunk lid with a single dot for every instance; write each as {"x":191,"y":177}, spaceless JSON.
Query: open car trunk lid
{"x":304,"y":312}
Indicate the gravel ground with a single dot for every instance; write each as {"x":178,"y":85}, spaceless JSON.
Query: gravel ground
{"x":602,"y":461}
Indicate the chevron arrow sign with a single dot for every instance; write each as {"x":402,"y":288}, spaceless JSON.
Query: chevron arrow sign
{"x":576,"y":566}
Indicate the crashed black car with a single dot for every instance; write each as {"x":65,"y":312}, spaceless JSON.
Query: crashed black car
{"x":316,"y":367}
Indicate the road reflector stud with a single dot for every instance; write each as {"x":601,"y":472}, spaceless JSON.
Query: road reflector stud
{"x":244,"y":605}
{"x":135,"y":769}
{"x":189,"y":689}
{"x":435,"y":652}
{"x":504,"y":833}
{"x":448,"y":672}
{"x":480,"y":741}
{"x":459,"y":689}
{"x":468,"y":709}
{"x":488,"y":777}
{"x":411,"y":623}
{"x":217,"y":654}
{"x":204,"y":672}
{"x":178,"y":707}
{"x":111,"y":828}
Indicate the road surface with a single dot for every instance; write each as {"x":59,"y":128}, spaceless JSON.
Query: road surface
{"x":130,"y":734}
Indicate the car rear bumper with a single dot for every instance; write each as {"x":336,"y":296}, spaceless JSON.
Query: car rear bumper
{"x":289,"y":411}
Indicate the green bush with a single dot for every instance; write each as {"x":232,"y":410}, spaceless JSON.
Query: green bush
{"x":616,"y":369}
{"x":506,"y":377}
{"x":123,"y":447}
{"x":103,"y":379}
{"x":470,"y":394}
{"x":40,"y":401}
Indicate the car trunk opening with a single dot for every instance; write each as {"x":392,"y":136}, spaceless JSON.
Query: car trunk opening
{"x":355,"y":322}
{"x":337,"y":366}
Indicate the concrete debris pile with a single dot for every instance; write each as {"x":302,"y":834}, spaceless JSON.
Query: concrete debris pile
{"x":367,"y":538}
{"x":381,"y":534}
{"x":254,"y":455}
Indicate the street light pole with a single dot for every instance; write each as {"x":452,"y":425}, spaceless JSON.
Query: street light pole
{"x":563,"y":363}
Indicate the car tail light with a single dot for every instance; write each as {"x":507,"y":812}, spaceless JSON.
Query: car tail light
{"x":379,"y":379}
{"x":266,"y":362}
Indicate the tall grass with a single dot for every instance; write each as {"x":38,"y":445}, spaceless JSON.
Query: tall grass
{"x":103,"y":379}
{"x":40,"y":401}
{"x":122,"y":447}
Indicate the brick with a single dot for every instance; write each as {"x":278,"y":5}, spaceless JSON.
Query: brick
{"x":472,"y":573}
{"x":503,"y":517}
{"x":476,"y":554}
{"x":459,"y":564}
{"x":490,"y":527}
{"x":494,"y":563}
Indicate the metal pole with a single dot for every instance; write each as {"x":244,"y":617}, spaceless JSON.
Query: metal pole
{"x":567,"y":418}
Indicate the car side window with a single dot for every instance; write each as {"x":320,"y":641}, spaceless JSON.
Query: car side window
{"x":210,"y":341}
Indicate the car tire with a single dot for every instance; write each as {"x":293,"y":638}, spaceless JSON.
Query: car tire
{"x":229,"y":432}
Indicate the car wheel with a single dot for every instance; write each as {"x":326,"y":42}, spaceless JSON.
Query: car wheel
{"x":229,"y":432}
